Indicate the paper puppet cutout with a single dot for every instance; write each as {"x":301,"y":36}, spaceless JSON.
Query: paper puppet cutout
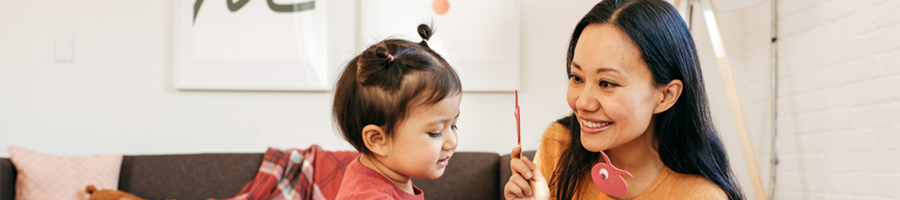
{"x":609,"y":179}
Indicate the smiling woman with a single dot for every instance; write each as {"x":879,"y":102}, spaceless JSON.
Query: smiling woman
{"x":636,"y":92}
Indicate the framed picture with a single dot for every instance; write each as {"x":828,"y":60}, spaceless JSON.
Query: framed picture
{"x":251,"y":45}
{"x":480,"y":39}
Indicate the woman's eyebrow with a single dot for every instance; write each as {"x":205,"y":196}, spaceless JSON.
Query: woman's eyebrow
{"x":605,"y":69}
{"x":600,"y":70}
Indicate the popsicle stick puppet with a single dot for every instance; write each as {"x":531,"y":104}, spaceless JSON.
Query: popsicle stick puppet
{"x":518,"y":124}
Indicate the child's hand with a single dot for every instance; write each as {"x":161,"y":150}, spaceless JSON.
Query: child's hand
{"x":526,"y":181}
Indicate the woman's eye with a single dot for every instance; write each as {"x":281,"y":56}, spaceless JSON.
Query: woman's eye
{"x":454,"y":127}
{"x":438,"y":134}
{"x":607,"y":84}
{"x":575,"y":78}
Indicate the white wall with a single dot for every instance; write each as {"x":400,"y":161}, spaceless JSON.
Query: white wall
{"x":117,"y":96}
{"x":839,"y":99}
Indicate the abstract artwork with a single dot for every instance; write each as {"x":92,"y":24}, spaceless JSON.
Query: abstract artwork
{"x":251,"y":45}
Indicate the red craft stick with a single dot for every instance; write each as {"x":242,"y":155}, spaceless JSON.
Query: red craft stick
{"x":518,"y":124}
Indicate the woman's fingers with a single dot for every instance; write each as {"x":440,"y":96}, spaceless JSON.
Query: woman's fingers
{"x":540,"y":186}
{"x":528,"y":163}
{"x":518,"y":186}
{"x":518,"y":166}
{"x":526,"y":180}
{"x":515,"y":152}
{"x":512,"y":191}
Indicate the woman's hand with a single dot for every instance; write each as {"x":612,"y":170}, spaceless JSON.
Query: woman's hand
{"x":526,"y":181}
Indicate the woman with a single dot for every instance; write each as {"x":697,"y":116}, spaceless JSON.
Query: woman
{"x":636,"y":92}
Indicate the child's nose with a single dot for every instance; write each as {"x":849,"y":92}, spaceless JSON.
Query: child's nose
{"x":450,"y":141}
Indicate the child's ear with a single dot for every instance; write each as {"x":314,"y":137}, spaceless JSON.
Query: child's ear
{"x":670,"y":94}
{"x":376,"y":140}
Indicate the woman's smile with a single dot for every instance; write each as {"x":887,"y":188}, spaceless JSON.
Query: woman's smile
{"x":590,"y":126}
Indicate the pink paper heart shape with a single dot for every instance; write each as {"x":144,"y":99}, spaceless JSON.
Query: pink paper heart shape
{"x":609,"y":179}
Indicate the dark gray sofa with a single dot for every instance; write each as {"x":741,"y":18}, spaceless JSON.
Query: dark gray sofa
{"x":201,"y":176}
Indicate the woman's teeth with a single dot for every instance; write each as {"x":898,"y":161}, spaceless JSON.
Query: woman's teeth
{"x":595,"y":125}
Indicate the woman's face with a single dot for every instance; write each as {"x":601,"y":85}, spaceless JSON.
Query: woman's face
{"x":611,"y":89}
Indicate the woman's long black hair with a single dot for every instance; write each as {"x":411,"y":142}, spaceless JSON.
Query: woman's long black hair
{"x":688,"y":142}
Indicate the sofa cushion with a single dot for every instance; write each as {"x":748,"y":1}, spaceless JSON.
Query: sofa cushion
{"x":42,"y":176}
{"x":506,"y":172}
{"x":468,"y":176}
{"x":186,"y":177}
{"x":7,"y":179}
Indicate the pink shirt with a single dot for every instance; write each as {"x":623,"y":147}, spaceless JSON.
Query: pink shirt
{"x":361,"y":182}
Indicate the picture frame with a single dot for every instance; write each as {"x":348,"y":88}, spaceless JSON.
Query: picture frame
{"x":224,"y":46}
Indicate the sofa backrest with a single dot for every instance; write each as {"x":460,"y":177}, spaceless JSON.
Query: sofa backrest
{"x":201,"y":176}
{"x":468,"y":176}
{"x":192,"y":176}
{"x":7,"y":180}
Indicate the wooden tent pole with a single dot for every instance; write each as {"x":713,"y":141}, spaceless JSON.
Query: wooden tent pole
{"x":734,"y":100}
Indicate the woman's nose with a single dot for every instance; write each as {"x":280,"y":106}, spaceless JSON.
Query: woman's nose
{"x":587,"y":100}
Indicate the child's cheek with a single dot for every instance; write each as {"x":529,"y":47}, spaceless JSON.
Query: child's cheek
{"x":434,"y":151}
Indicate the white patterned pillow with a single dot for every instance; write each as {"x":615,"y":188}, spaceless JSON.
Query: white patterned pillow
{"x":42,"y":176}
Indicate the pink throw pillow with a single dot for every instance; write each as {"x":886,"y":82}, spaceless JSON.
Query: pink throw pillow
{"x":42,"y":176}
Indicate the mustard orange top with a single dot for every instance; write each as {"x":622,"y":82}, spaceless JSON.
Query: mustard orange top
{"x":668,"y":185}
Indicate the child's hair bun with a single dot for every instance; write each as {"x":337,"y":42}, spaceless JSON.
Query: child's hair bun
{"x":383,"y":53}
{"x":425,"y":32}
{"x":373,"y":61}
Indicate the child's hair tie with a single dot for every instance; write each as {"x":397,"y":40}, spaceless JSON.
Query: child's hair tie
{"x":424,"y":42}
{"x":390,"y":58}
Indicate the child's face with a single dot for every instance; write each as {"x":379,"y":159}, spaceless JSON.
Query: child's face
{"x":611,"y":89}
{"x":423,"y":143}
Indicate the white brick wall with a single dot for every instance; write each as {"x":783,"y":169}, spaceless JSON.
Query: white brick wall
{"x":839,"y":99}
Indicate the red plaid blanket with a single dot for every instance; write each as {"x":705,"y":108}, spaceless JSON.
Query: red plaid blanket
{"x":297,"y":174}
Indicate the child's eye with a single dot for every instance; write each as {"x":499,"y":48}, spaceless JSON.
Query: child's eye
{"x":454,"y":127}
{"x":438,"y":134}
{"x":575,"y":78}
{"x":607,"y":84}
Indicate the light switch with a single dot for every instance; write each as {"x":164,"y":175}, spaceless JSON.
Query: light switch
{"x":65,"y":47}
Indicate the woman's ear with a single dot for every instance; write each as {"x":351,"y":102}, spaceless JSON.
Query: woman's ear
{"x":376,"y":140}
{"x":670,"y":94}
